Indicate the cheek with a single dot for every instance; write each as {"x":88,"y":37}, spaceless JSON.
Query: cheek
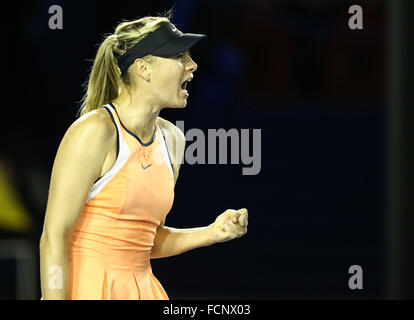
{"x":167,"y":79}
{"x":165,"y":90}
{"x":170,"y":80}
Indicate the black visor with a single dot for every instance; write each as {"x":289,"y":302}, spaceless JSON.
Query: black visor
{"x":167,"y":41}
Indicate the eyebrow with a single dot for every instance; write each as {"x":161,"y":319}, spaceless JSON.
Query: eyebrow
{"x":183,"y":53}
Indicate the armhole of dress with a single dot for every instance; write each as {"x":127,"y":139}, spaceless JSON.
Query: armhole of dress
{"x":168,"y":152}
{"x":117,"y":138}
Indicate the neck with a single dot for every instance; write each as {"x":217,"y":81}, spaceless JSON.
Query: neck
{"x":137,"y":114}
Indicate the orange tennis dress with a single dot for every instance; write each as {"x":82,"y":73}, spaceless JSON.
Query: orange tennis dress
{"x":110,"y":246}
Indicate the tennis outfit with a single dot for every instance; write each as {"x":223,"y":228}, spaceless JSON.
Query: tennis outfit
{"x":110,"y":246}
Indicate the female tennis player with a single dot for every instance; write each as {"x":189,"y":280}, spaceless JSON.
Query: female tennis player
{"x":113,"y":178}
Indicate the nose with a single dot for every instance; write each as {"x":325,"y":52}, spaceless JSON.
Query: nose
{"x":190,"y":64}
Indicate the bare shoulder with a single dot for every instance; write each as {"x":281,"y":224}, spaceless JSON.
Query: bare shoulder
{"x":96,"y":120}
{"x":90,"y":135}
{"x":78,"y":163}
{"x":171,"y":129}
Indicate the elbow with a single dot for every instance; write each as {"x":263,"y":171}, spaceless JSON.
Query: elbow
{"x":42,"y":240}
{"x":52,"y":240}
{"x":153,"y":255}
{"x":43,"y":244}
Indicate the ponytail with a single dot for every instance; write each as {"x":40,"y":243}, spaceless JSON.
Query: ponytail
{"x":104,"y":80}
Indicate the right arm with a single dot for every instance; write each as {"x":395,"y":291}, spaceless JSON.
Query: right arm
{"x":78,"y":163}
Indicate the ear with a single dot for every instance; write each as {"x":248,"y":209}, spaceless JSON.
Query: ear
{"x":143,"y":69}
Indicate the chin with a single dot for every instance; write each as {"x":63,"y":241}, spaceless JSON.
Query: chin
{"x":179,"y":105}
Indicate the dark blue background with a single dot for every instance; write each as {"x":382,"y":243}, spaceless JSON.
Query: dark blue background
{"x":290,"y":68}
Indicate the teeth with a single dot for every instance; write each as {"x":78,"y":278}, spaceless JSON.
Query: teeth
{"x":184,"y":84}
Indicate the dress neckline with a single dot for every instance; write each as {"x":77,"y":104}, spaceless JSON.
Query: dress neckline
{"x":134,"y":135}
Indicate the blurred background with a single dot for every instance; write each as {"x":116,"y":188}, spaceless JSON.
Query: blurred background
{"x":331,"y":103}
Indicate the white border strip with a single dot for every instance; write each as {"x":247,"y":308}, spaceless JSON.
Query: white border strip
{"x":123,"y":156}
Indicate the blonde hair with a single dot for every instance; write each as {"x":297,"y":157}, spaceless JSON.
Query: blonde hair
{"x":105,"y":80}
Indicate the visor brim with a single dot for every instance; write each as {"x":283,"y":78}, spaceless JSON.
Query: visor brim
{"x":178,"y":45}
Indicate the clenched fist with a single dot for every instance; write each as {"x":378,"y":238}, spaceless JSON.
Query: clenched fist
{"x":229,"y":225}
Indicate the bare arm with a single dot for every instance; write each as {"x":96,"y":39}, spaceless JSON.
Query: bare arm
{"x":172,"y":241}
{"x":77,"y":165}
{"x":229,"y":225}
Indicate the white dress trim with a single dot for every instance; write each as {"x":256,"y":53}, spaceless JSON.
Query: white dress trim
{"x":165,"y":153}
{"x":122,"y":158}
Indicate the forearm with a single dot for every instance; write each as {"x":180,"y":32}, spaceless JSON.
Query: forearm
{"x":171,"y":241}
{"x":53,"y":269}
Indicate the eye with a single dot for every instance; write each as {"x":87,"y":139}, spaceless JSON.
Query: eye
{"x":179,"y":56}
{"x":182,"y":54}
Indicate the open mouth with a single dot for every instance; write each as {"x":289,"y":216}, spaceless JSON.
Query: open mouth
{"x":184,"y":86}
